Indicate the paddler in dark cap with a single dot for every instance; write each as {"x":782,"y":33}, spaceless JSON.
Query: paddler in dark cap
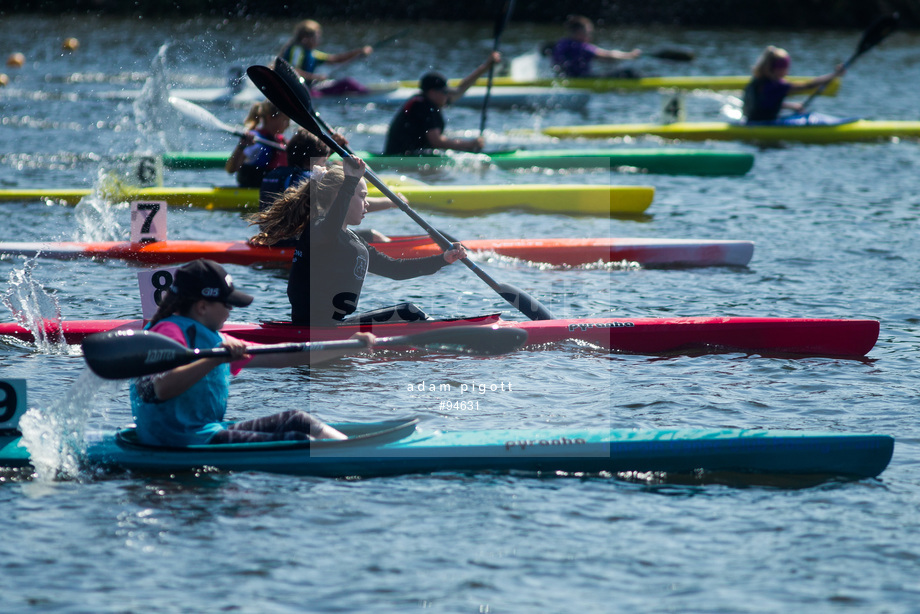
{"x":418,"y":127}
{"x":186,"y":405}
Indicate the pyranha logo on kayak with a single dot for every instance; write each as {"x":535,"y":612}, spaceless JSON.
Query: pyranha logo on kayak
{"x":599,"y":325}
{"x":154,"y":356}
{"x":527,"y":443}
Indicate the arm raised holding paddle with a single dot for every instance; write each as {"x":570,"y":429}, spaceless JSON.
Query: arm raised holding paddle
{"x":418,"y":127}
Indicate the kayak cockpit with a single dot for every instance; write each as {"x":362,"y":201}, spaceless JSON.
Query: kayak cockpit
{"x":359,"y":434}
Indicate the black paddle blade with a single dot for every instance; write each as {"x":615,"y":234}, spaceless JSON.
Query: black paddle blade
{"x":880,"y":29}
{"x":526,"y":304}
{"x":122,"y":354}
{"x":282,"y":96}
{"x":673,"y":54}
{"x":472,"y":340}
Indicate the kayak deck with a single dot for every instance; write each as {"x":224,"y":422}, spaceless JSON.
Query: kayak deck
{"x":845,"y":338}
{"x":859,"y":130}
{"x":398,"y":447}
{"x":560,"y":252}
{"x":607,"y":84}
{"x":668,"y":161}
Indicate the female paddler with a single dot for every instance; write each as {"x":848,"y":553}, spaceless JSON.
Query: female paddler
{"x":765,"y":94}
{"x":330,"y":261}
{"x":186,"y":405}
{"x":251,"y":160}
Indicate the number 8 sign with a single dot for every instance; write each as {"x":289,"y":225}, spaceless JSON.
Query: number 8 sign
{"x":152,"y":285}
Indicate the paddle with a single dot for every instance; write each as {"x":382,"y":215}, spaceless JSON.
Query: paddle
{"x":672,"y":54}
{"x":383,"y":42}
{"x":122,"y":354}
{"x":878,"y":31}
{"x":285,"y":88}
{"x":209,"y":120}
{"x":500,"y":24}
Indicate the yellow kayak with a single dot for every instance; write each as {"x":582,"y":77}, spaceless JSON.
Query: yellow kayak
{"x":858,"y":130}
{"x":605,"y":84}
{"x":600,"y":200}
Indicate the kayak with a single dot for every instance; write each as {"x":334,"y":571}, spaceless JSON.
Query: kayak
{"x":401,"y":447}
{"x":389,"y":95}
{"x":667,"y":161}
{"x":606,"y":84}
{"x":849,"y":131}
{"x":846,"y":338}
{"x":569,"y":199}
{"x":556,"y":252}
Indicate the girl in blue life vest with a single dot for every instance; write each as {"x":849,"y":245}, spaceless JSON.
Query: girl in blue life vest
{"x":186,"y":405}
{"x":301,"y":52}
{"x":250,"y":159}
{"x":765,"y":95}
{"x":330,"y":261}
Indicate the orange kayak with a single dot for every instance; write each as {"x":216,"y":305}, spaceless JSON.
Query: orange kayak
{"x":555,"y":252}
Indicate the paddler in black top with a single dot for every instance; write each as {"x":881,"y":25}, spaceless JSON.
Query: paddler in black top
{"x":330,"y":261}
{"x":304,"y":151}
{"x":418,"y":127}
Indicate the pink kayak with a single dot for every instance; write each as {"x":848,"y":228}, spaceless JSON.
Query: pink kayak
{"x":851,"y":338}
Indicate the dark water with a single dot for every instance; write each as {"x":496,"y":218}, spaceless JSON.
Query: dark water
{"x":836,"y":236}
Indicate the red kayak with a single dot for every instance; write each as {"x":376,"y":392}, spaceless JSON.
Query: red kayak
{"x":809,"y":336}
{"x":556,"y":252}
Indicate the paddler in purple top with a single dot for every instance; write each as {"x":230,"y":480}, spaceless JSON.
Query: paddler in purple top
{"x":572,"y":56}
{"x":765,"y":95}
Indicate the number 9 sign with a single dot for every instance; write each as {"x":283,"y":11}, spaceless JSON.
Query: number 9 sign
{"x":12,"y":402}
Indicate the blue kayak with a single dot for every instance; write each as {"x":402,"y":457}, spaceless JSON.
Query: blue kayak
{"x":401,"y":447}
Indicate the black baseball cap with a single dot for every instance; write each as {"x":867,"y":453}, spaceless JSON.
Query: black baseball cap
{"x":205,"y":279}
{"x":432,"y":81}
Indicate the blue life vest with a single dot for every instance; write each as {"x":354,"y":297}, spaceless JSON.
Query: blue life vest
{"x":193,"y":416}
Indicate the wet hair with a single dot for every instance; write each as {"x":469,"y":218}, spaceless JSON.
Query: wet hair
{"x":290,"y":214}
{"x":258,"y":113}
{"x":771,"y":60}
{"x":304,"y":147}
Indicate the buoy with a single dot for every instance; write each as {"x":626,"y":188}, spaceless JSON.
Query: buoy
{"x":16,"y":60}
{"x":70,"y":44}
{"x":4,"y":80}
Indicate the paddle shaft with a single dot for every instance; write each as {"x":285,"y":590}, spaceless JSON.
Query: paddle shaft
{"x":205,"y":117}
{"x":131,"y":353}
{"x":880,"y":29}
{"x":287,"y":90}
{"x":383,"y":42}
{"x":499,"y":28}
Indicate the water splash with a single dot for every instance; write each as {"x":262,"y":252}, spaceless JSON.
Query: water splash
{"x":55,"y":436}
{"x":35,"y":309}
{"x":95,"y":215}
{"x":152,"y":111}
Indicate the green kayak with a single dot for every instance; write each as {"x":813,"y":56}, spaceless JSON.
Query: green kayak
{"x":665,"y":161}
